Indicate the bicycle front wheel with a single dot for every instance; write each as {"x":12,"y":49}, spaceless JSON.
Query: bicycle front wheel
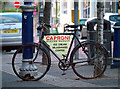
{"x":89,"y":60}
{"x":39,"y":66}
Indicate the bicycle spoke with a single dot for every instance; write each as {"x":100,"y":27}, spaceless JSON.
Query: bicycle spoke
{"x":94,"y":55}
{"x":36,"y":64}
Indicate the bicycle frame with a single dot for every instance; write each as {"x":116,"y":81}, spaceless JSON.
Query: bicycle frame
{"x":47,"y":46}
{"x":31,"y":66}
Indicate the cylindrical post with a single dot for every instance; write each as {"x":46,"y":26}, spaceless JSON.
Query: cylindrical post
{"x":27,"y":37}
{"x":76,"y":22}
{"x":116,"y":48}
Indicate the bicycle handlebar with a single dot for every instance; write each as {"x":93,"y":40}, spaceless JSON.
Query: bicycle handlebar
{"x":73,"y":26}
{"x":44,"y":25}
{"x":72,"y":30}
{"x":48,"y":25}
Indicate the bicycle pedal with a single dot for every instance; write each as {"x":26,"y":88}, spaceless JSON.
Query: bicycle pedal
{"x":77,"y":79}
{"x":64,"y":73}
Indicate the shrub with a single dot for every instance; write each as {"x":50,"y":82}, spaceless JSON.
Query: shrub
{"x":12,"y":10}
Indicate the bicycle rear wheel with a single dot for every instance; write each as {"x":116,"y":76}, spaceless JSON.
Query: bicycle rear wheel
{"x":37,"y":61}
{"x":89,"y":60}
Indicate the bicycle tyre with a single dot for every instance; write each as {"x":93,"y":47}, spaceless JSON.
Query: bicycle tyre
{"x":42,"y":69}
{"x":85,"y":66}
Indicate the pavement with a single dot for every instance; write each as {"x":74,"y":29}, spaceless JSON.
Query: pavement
{"x":54,"y":78}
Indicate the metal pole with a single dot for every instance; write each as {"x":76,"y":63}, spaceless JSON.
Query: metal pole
{"x":51,"y":18}
{"x":92,"y":8}
{"x":56,"y":17}
{"x":81,"y":8}
{"x":56,"y":11}
{"x":116,"y":7}
{"x":27,"y":37}
{"x":76,"y":22}
{"x":38,"y":11}
{"x":76,"y":13}
{"x":104,"y":6}
{"x":111,"y":6}
{"x":40,"y":14}
{"x":87,"y":9}
{"x":17,"y":9}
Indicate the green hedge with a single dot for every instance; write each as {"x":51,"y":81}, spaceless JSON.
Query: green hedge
{"x":12,"y":10}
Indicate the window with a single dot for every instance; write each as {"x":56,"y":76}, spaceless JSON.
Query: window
{"x":82,"y":22}
{"x":10,"y":19}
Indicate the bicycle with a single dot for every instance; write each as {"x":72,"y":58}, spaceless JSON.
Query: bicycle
{"x":93,"y":54}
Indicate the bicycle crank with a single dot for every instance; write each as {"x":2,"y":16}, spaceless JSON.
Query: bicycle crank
{"x":63,"y":66}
